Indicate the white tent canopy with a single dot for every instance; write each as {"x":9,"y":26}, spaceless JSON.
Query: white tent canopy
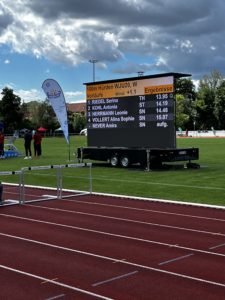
{"x":59,"y":129}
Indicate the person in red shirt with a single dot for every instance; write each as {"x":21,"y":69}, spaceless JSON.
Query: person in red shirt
{"x":37,"y":143}
{"x":2,"y":138}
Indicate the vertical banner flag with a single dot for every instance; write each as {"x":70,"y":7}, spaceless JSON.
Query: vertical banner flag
{"x":55,"y":96}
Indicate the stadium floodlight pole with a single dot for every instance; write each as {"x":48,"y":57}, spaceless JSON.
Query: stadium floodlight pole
{"x":93,"y":62}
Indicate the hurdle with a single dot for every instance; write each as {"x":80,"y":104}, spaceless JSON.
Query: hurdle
{"x":59,"y":181}
{"x":12,"y":173}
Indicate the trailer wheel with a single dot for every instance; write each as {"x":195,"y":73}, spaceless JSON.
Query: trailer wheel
{"x":114,"y":161}
{"x":125,"y":161}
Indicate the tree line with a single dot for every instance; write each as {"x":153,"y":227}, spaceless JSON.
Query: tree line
{"x":199,"y":108}
{"x":16,"y":115}
{"x":202,"y":108}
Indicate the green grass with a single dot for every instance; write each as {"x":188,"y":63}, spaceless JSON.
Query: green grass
{"x":204,"y":185}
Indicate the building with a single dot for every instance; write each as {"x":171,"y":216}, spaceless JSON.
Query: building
{"x":78,"y":107}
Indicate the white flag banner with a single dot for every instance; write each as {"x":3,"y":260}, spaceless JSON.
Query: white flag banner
{"x":56,"y":97}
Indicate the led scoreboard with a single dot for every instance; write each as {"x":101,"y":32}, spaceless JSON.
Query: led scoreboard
{"x":136,"y":112}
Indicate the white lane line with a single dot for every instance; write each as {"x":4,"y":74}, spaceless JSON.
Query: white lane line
{"x":53,"y":279}
{"x":218,"y":246}
{"x":55,"y":282}
{"x":130,"y":197}
{"x":119,"y":260}
{"x":175,"y":259}
{"x":117,"y":235}
{"x":114,"y":278}
{"x":147,"y":210}
{"x":56,"y":297}
{"x":115,"y":259}
{"x":128,"y":220}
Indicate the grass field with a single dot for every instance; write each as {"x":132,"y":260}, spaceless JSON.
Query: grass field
{"x":204,"y":185}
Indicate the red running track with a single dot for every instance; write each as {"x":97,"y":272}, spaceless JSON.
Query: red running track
{"x":101,"y":247}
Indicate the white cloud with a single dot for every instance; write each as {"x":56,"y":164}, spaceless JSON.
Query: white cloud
{"x":196,"y":84}
{"x":37,"y":95}
{"x":74,"y":96}
{"x":7,"y":61}
{"x":28,"y":95}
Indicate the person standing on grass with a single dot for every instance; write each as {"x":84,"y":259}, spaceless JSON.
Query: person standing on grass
{"x":27,"y":144}
{"x":1,"y":192}
{"x":37,"y":143}
{"x":2,"y":138}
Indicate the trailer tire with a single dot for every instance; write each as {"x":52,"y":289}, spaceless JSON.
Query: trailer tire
{"x":114,"y":161}
{"x":125,"y":161}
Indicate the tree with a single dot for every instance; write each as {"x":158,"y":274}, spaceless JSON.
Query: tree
{"x":185,"y":103}
{"x":27,"y":122}
{"x":186,"y":88}
{"x":41,"y":114}
{"x":182,"y":117}
{"x":79,"y":122}
{"x":220,"y":106}
{"x":10,"y":110}
{"x":47,"y":117}
{"x":212,"y":81}
{"x":207,"y":98}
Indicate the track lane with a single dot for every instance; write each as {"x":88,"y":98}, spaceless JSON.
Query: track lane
{"x":151,"y":205}
{"x":133,"y":225}
{"x":84,"y":272}
{"x":169,"y":218}
{"x":15,"y":285}
{"x":134,"y":250}
{"x":168,"y":234}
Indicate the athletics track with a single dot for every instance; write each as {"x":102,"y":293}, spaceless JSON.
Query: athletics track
{"x":108,"y":247}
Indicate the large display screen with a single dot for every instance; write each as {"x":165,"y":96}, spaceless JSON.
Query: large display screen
{"x":131,"y":113}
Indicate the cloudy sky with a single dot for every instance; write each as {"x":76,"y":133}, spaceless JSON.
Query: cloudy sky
{"x":42,"y":39}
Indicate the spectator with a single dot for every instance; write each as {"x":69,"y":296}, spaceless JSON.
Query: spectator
{"x":37,"y":143}
{"x":1,"y":192}
{"x":2,"y":138}
{"x":27,"y":144}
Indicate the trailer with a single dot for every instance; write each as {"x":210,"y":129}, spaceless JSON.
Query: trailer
{"x":146,"y":158}
{"x":132,"y":121}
